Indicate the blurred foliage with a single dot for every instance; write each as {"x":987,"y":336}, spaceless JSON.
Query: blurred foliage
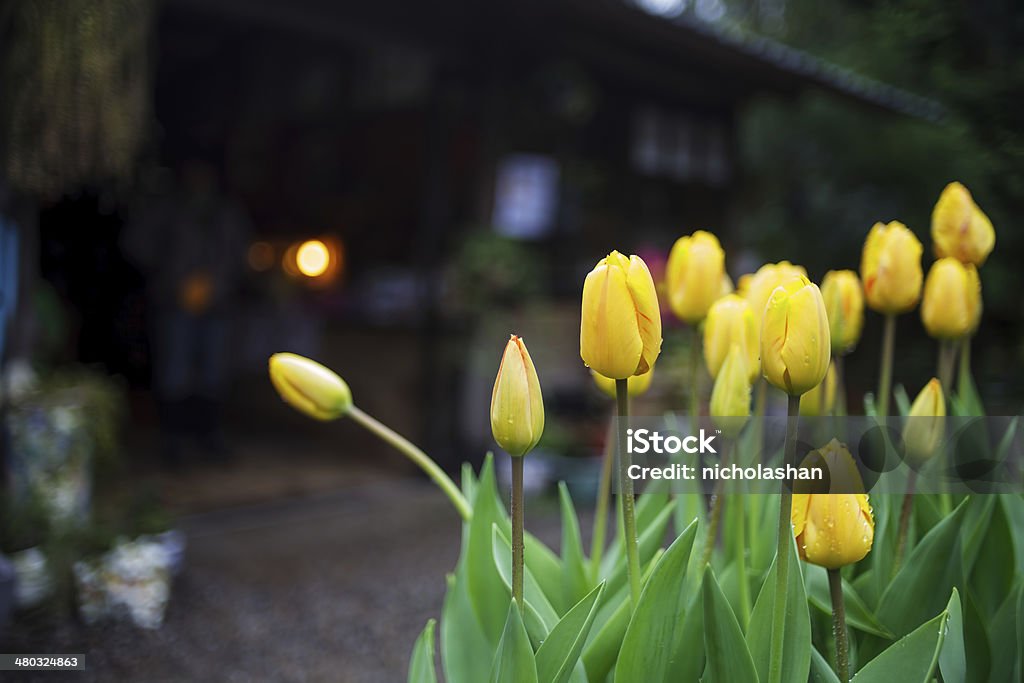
{"x":80,"y":111}
{"x":491,"y":270}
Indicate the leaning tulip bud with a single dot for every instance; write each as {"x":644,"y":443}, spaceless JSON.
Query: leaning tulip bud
{"x":620,"y":332}
{"x":517,"y":407}
{"x":795,"y":341}
{"x":309,"y":386}
{"x":756,"y":288}
{"x":925,"y":424}
{"x":694,"y":275}
{"x":844,"y":303}
{"x":951,"y":307}
{"x":833,"y":530}
{"x":890,"y":268}
{"x":731,"y":321}
{"x":636,"y":385}
{"x":730,"y":398}
{"x":821,"y":399}
{"x":960,"y":228}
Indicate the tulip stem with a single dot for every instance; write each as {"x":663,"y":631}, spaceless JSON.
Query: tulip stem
{"x":598,"y":538}
{"x":716,"y":513}
{"x":947,"y":358}
{"x":885,"y":377}
{"x":778,"y":634}
{"x":411,"y":451}
{"x":964,"y":375}
{"x":901,"y":538}
{"x":695,"y":342}
{"x":517,"y":531}
{"x":835,"y":584}
{"x":840,"y":406}
{"x":626,"y":492}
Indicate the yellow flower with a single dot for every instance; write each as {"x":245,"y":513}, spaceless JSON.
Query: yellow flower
{"x":620,"y":332}
{"x":636,"y":385}
{"x":821,"y":399}
{"x":730,"y":398}
{"x":833,"y":530}
{"x":951,"y":307}
{"x":517,"y":407}
{"x":795,"y":341}
{"x":309,"y":386}
{"x":890,"y":267}
{"x":694,"y":275}
{"x":731,"y":321}
{"x":844,"y":302}
{"x":925,"y":425}
{"x":960,"y":228}
{"x":756,"y":288}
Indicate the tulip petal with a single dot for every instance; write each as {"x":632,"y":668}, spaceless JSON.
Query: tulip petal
{"x":648,"y":313}
{"x":610,"y":340}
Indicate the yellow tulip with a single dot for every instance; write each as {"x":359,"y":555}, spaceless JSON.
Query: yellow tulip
{"x":844,"y":303}
{"x":517,"y":407}
{"x":731,"y":321}
{"x":795,"y":341}
{"x":821,"y":399}
{"x":960,"y":228}
{"x":620,"y":331}
{"x":694,"y":275}
{"x":890,"y":268}
{"x":309,"y":386}
{"x":951,"y":306}
{"x":730,"y":398}
{"x":925,"y":425}
{"x":833,"y":530}
{"x":756,"y":288}
{"x":636,"y":385}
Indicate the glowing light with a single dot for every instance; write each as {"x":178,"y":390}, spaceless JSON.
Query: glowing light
{"x":313,"y":258}
{"x":261,"y":256}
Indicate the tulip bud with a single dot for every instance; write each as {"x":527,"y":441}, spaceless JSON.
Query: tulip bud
{"x":951,"y":307}
{"x":890,"y":268}
{"x":731,"y":321}
{"x":620,"y":332}
{"x":694,"y":275}
{"x":833,"y":530}
{"x":821,"y":399}
{"x":517,"y":407}
{"x":960,"y":229}
{"x":925,"y":426}
{"x":795,"y":341}
{"x":844,"y":303}
{"x":756,"y":288}
{"x":635,"y":385}
{"x":309,"y":386}
{"x":730,"y":398}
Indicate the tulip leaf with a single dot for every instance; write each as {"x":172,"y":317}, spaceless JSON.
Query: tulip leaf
{"x":976,"y":639}
{"x":974,"y":529}
{"x":574,"y":565}
{"x":1006,"y":635}
{"x":953,"y":657}
{"x":538,"y":614}
{"x":858,"y":615}
{"x":796,"y":653}
{"x":545,"y":565}
{"x":465,"y":651}
{"x":654,"y":636}
{"x":514,"y":661}
{"x":728,"y":658}
{"x":821,"y":672}
{"x":560,"y":652}
{"x":421,"y":665}
{"x":994,"y":568}
{"x":487,"y":594}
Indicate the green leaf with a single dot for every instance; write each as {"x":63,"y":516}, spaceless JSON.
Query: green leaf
{"x":654,"y":636}
{"x":538,"y":614}
{"x":487,"y":594}
{"x":974,"y":529}
{"x":796,"y":653}
{"x":952,"y":657}
{"x":421,"y":665}
{"x":514,"y":661}
{"x":465,"y":651}
{"x":574,"y":565}
{"x":912,"y":659}
{"x":821,"y":672}
{"x":560,"y":652}
{"x":545,"y":565}
{"x":976,"y":640}
{"x":728,"y":658}
{"x":858,"y":615}
{"x":993,"y":575}
{"x":1005,"y":634}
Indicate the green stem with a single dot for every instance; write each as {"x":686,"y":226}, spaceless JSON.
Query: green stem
{"x":904,"y":527}
{"x":840,"y":406}
{"x":778,"y":634}
{"x":835,"y":584}
{"x":715,"y":515}
{"x":604,"y":488}
{"x":947,"y":357}
{"x":626,"y":493}
{"x":740,"y":553}
{"x":517,"y":530}
{"x":885,"y":377}
{"x":964,"y":375}
{"x":408,"y":449}
{"x":695,"y":344}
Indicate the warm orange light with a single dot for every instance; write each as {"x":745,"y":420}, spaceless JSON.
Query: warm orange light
{"x":313,"y":258}
{"x":261,"y":256}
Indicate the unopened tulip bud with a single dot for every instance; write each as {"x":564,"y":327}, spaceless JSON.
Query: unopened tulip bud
{"x":925,"y":426}
{"x":951,"y":307}
{"x":890,"y":268}
{"x":756,"y":288}
{"x":795,"y":340}
{"x":730,"y":398}
{"x":731,"y":322}
{"x":844,"y":303}
{"x":821,"y":399}
{"x":517,"y":407}
{"x":636,"y":385}
{"x":620,"y":331}
{"x":694,"y":275}
{"x":309,"y":386}
{"x":833,"y":530}
{"x":960,"y":228}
